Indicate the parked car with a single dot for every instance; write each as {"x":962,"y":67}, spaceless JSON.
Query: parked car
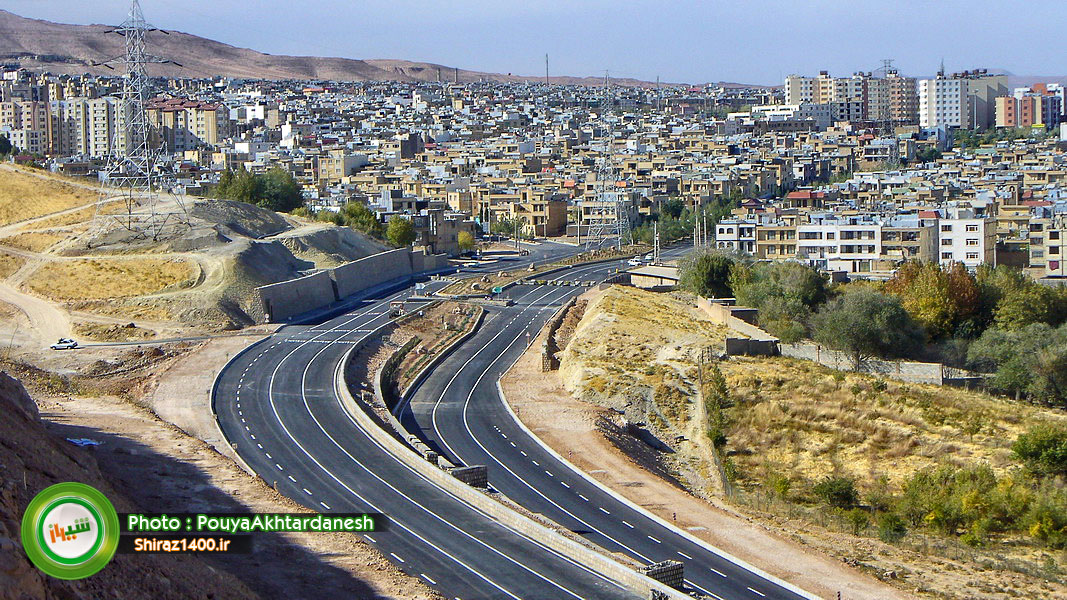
{"x":65,"y":344}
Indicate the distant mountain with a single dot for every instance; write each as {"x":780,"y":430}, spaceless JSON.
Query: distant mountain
{"x":76,"y":49}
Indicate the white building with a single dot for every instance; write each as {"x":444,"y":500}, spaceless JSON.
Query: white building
{"x":736,"y":235}
{"x":966,"y":239}
{"x":961,"y":100}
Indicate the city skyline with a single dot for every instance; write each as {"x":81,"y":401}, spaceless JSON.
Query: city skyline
{"x":686,"y":42}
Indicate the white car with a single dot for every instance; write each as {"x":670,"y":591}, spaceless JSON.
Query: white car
{"x":635,"y":262}
{"x":64,"y":344}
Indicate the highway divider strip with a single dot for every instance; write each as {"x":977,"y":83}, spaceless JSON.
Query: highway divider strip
{"x":524,"y":526}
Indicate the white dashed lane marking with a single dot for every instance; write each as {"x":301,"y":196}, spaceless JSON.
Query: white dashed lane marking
{"x":396,"y":557}
{"x":604,"y":510}
{"x":324,"y":505}
{"x":759,"y":593}
{"x":654,"y":539}
{"x":717,"y":572}
{"x":627,"y":524}
{"x":684,"y":555}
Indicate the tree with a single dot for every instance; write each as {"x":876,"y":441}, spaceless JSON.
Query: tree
{"x":939,"y":298}
{"x":1031,"y":361}
{"x":400,"y":232}
{"x":5,"y":145}
{"x":838,"y":492}
{"x":1028,"y":304}
{"x":867,"y":323}
{"x":280,"y":191}
{"x":465,"y":241}
{"x":706,"y":273}
{"x":891,"y":528}
{"x":784,"y":292}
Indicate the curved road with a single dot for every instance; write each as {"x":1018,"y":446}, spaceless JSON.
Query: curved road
{"x":277,"y":403}
{"x":458,"y":411}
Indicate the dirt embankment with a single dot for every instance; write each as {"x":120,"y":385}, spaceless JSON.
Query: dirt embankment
{"x":146,"y":465}
{"x":75,"y":259}
{"x":31,"y":459}
{"x":789,"y":424}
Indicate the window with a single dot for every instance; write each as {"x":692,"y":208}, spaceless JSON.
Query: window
{"x":972,"y":256}
{"x":946,"y":241}
{"x":946,"y":256}
{"x":1053,"y":249}
{"x":972,"y":228}
{"x":972,"y":241}
{"x":946,"y":228}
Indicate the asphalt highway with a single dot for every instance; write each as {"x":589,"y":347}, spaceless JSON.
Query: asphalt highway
{"x":277,"y":403}
{"x":458,"y":411}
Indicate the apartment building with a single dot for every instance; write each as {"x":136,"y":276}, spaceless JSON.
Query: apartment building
{"x":965,"y":237}
{"x":861,"y":97}
{"x":180,"y":124}
{"x":965,"y":99}
{"x":1028,"y":109}
{"x":85,"y":126}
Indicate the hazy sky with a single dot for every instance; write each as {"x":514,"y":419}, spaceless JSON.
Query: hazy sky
{"x":684,"y":41}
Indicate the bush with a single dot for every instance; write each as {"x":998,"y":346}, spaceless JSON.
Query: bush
{"x":1043,"y":449}
{"x":839,"y":492}
{"x":891,"y":528}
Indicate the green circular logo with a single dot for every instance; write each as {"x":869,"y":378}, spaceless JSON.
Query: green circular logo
{"x":70,"y":530}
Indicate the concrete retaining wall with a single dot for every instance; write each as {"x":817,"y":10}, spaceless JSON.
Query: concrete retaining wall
{"x":740,"y":320}
{"x":364,"y":273}
{"x":282,"y":300}
{"x":287,"y":298}
{"x":903,"y":370}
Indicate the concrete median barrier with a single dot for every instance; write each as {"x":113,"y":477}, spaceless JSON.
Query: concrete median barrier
{"x":549,"y":539}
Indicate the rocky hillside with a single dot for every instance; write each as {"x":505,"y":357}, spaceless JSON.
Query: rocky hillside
{"x":31,"y":459}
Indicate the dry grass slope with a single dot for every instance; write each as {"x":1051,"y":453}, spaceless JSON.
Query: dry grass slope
{"x":809,"y":422}
{"x":89,"y":279}
{"x":25,"y":196}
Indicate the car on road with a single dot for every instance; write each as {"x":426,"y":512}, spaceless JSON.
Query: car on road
{"x":635,"y":262}
{"x":64,"y":344}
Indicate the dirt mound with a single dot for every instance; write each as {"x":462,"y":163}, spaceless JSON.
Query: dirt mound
{"x":31,"y":459}
{"x":239,"y":218}
{"x":330,"y":246}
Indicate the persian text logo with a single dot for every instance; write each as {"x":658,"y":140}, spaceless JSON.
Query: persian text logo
{"x":70,"y":530}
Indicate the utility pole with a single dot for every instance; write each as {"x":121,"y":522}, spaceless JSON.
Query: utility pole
{"x":546,"y":68}
{"x":655,"y":242}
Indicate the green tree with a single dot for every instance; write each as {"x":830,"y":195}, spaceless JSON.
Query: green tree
{"x":5,"y":145}
{"x":891,"y":528}
{"x":867,"y":324}
{"x":279,"y":191}
{"x":400,"y":232}
{"x":1028,"y":304}
{"x":465,"y":241}
{"x":716,"y":400}
{"x":784,"y":292}
{"x":358,"y":216}
{"x":1031,"y":361}
{"x":706,"y":273}
{"x":858,"y":520}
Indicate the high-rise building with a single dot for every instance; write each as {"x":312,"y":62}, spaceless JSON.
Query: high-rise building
{"x":179,"y":124}
{"x":859,"y":97}
{"x":961,"y":100}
